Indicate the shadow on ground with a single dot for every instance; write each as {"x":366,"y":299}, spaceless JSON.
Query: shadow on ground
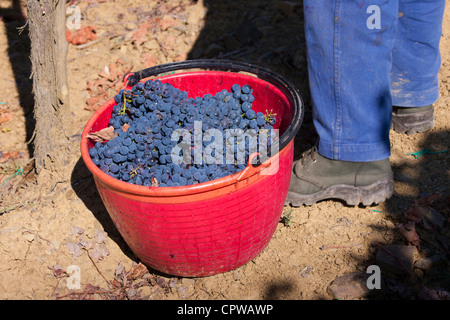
{"x":19,"y":53}
{"x":84,"y":186}
{"x":421,"y":205}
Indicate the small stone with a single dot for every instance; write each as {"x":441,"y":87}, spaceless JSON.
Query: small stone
{"x":123,"y":49}
{"x":304,"y":273}
{"x":152,"y":45}
{"x":29,"y":236}
{"x":300,"y":218}
{"x":70,"y":194}
{"x":187,"y":282}
{"x":349,"y":286}
{"x":131,"y":26}
{"x":396,"y":259}
{"x":338,"y":261}
{"x":167,"y":21}
{"x":427,"y":263}
{"x":172,"y":282}
{"x":77,"y":230}
{"x":186,"y":291}
{"x":208,"y":286}
{"x":434,"y":217}
{"x":181,"y":291}
{"x":161,"y":282}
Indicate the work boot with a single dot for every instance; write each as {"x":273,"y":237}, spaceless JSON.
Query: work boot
{"x":412,"y":120}
{"x":316,"y":178}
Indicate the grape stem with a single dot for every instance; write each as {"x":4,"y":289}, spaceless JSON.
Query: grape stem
{"x":269,"y":116}
{"x":134,"y":171}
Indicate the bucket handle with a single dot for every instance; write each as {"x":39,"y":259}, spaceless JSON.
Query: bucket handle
{"x":250,"y":169}
{"x":126,"y":78}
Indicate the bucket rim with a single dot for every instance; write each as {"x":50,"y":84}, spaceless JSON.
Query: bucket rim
{"x":233,"y":66}
{"x":214,"y":64}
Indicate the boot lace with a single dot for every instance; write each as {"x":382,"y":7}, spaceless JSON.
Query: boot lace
{"x":305,"y":154}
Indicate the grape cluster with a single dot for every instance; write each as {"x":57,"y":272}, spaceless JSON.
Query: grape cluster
{"x":145,"y":118}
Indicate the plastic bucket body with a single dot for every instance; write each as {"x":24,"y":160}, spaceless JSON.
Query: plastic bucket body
{"x":211,"y":227}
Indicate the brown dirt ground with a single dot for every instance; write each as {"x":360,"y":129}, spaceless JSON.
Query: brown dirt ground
{"x":42,"y":231}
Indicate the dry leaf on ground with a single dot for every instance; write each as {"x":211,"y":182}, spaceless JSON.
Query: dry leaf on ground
{"x":81,"y":36}
{"x":5,"y":114}
{"x":408,"y":231}
{"x":12,"y":155}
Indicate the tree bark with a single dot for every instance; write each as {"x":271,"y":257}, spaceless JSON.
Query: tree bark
{"x":47,"y":31}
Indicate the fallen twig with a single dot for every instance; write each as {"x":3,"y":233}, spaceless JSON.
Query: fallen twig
{"x":103,"y":36}
{"x":85,"y":293}
{"x":11,"y":208}
{"x":88,"y":44}
{"x":339,"y":247}
{"x":57,"y":284}
{"x":109,"y":283}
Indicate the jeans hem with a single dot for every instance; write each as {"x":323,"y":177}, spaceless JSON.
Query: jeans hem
{"x":354,"y":152}
{"x":415,"y":99}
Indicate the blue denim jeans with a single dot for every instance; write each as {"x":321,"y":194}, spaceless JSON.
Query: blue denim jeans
{"x":363,"y":58}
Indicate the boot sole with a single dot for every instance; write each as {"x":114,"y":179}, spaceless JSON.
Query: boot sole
{"x":413,"y":123}
{"x":375,"y":193}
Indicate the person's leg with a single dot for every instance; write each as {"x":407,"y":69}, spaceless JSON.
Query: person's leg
{"x":349,"y":46}
{"x":416,"y":63}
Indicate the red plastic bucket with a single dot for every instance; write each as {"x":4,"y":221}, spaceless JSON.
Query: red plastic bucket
{"x":211,"y":227}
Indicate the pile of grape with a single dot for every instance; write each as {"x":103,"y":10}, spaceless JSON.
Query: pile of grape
{"x":147,"y":117}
